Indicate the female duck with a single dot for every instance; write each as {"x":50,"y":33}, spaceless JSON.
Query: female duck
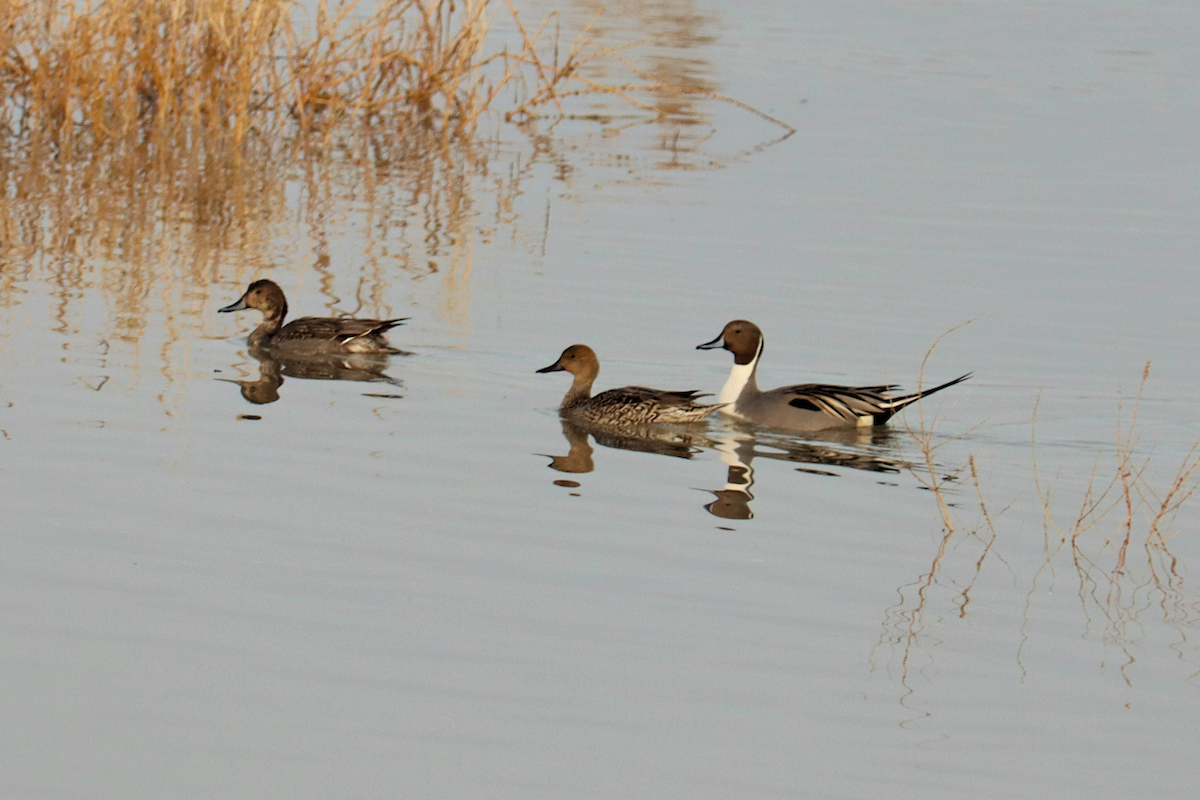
{"x":629,"y":405}
{"x":310,"y":335}
{"x":805,"y":406}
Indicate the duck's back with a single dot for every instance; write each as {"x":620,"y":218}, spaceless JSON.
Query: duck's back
{"x":815,"y":406}
{"x":312,"y":335}
{"x":639,"y":405}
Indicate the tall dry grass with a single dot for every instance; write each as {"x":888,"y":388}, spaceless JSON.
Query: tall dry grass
{"x":186,"y":72}
{"x":145,"y":142}
{"x":123,"y":122}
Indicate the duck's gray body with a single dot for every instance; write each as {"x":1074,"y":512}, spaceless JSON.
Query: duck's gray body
{"x":629,"y":406}
{"x":804,"y":406}
{"x":310,"y":336}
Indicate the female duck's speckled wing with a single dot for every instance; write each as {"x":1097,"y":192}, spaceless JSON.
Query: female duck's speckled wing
{"x":639,"y":405}
{"x":346,"y":331}
{"x":853,"y":403}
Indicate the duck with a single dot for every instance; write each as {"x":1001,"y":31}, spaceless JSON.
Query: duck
{"x":805,"y":406}
{"x":624,"y":407}
{"x":310,"y":335}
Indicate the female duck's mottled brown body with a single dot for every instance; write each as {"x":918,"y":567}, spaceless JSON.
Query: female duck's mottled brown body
{"x":311,"y":335}
{"x":629,"y":405}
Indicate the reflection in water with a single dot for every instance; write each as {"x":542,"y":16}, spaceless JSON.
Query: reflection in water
{"x":674,"y":78}
{"x":739,"y":446}
{"x":678,"y":441}
{"x":273,"y":368}
{"x":135,"y":245}
{"x":579,"y":460}
{"x":1124,"y":580}
{"x":679,"y":31}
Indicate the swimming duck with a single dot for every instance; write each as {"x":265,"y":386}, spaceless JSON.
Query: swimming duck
{"x":805,"y":406}
{"x":310,"y":335}
{"x":629,"y":405}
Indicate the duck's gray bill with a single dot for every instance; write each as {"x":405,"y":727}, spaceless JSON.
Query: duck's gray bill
{"x":240,"y":305}
{"x":714,"y":344}
{"x":555,"y":367}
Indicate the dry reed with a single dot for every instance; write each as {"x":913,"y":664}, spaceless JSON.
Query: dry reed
{"x":924,"y":436}
{"x":1116,"y":541}
{"x":1110,"y":582}
{"x":186,"y":71}
{"x":204,"y":73}
{"x":117,"y":116}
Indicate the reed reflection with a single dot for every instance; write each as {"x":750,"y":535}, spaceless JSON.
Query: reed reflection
{"x":1108,"y":549}
{"x":681,"y":33}
{"x":740,"y":445}
{"x":273,"y":367}
{"x":1122,"y":586}
{"x":134,"y":242}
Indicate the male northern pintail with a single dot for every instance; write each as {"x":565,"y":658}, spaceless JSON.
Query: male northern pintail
{"x":310,"y":335}
{"x":629,"y":405}
{"x":806,"y":406}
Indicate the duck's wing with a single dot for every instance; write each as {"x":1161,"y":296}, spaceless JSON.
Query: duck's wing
{"x":677,"y":405}
{"x":643,"y":393}
{"x":339,"y":329}
{"x":642,"y":405}
{"x":368,"y":327}
{"x":852,"y":403}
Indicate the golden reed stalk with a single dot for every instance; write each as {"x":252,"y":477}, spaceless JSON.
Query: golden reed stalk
{"x":102,"y":69}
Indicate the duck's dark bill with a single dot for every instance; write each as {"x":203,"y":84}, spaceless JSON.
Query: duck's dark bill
{"x":555,"y":367}
{"x":714,"y":344}
{"x":240,"y":305}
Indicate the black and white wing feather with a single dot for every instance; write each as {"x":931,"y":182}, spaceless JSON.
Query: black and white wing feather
{"x":856,"y":403}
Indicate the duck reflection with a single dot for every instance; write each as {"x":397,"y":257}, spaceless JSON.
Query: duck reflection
{"x":675,"y":441}
{"x":273,"y":367}
{"x":739,"y":446}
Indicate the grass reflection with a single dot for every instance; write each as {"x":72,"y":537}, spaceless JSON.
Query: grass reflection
{"x":1112,"y":552}
{"x":151,"y":150}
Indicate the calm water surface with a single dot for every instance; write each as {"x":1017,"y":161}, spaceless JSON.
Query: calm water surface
{"x":229,"y":577}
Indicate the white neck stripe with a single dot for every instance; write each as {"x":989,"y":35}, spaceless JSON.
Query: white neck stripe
{"x":739,"y":376}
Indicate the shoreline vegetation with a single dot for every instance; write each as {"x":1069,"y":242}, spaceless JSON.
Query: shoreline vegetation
{"x":211,"y":77}
{"x":140,"y":138}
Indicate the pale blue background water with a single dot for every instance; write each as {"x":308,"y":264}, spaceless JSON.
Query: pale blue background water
{"x":375,"y":597}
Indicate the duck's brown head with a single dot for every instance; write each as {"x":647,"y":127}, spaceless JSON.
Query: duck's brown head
{"x":740,"y":337}
{"x":264,"y":295}
{"x":578,"y":359}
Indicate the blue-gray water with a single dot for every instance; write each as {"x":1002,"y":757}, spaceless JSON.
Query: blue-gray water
{"x":377,"y":590}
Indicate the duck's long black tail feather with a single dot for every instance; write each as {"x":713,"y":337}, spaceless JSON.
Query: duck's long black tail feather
{"x":386,"y":325}
{"x":897,"y":403}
